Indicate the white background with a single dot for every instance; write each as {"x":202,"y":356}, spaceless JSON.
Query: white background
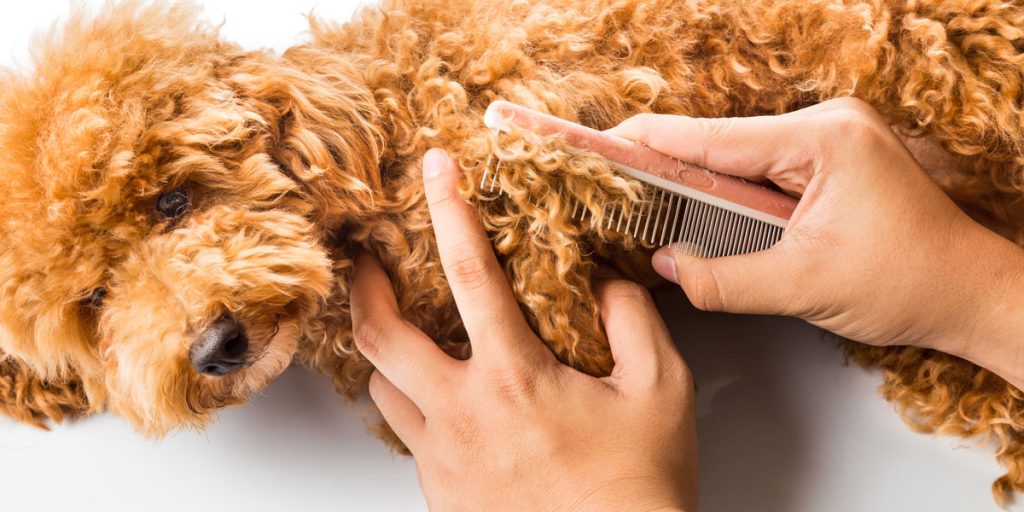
{"x":783,"y":425}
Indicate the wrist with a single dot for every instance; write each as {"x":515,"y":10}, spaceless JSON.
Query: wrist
{"x":990,"y":329}
{"x":640,"y":494}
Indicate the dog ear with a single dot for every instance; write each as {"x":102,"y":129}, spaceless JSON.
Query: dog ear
{"x":324,"y":128}
{"x":29,"y":399}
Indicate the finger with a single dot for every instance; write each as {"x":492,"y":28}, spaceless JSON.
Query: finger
{"x":758,"y":283}
{"x":398,"y":410}
{"x":639,"y":340}
{"x":762,"y":147}
{"x":492,"y":317}
{"x":400,"y":351}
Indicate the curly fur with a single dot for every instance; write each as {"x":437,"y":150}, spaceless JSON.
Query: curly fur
{"x":299,"y":160}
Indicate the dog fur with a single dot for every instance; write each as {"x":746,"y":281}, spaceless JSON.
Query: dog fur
{"x":295,"y":162}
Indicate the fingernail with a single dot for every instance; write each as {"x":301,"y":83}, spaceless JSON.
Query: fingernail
{"x":664,"y":263}
{"x":433,"y":162}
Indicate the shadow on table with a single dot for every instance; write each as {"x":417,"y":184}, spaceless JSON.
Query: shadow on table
{"x":752,"y":446}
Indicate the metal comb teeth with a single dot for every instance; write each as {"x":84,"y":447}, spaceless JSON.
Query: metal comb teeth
{"x":691,"y":226}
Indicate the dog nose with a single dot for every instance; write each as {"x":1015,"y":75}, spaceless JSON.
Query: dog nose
{"x":221,"y":348}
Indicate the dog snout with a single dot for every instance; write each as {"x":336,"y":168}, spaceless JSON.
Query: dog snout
{"x":221,"y":348}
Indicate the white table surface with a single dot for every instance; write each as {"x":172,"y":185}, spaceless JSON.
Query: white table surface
{"x":783,"y":425}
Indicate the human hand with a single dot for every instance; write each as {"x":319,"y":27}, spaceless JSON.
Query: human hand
{"x":875,"y":251}
{"x":511,"y":428}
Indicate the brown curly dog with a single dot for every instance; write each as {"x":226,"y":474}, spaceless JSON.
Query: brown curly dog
{"x":179,"y":215}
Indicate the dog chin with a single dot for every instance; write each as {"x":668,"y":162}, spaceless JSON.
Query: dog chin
{"x":194,"y":401}
{"x":208,"y":394}
{"x":271,"y":361}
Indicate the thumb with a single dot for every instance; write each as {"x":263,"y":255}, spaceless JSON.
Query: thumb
{"x":757,"y":283}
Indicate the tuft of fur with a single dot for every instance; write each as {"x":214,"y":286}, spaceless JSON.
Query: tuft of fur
{"x":26,"y":398}
{"x":297,"y":161}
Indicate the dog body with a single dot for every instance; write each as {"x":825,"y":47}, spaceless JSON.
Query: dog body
{"x":181,"y":215}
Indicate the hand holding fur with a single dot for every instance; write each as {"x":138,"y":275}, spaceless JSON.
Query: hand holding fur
{"x":511,"y":428}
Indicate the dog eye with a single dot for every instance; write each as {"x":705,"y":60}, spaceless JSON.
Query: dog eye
{"x":94,"y":300}
{"x":174,"y":203}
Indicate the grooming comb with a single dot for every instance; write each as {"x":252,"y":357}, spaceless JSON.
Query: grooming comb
{"x":698,"y":211}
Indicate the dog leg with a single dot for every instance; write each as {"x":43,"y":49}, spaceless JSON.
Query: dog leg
{"x":26,"y":398}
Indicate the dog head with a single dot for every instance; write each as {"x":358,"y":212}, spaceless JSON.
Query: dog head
{"x":165,"y":203}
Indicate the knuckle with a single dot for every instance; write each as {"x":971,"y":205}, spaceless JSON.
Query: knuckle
{"x":513,"y":392}
{"x":460,"y":416}
{"x":641,"y":120}
{"x":640,"y":127}
{"x":441,"y":201}
{"x":624,"y":290}
{"x":463,"y":429}
{"x":644,"y":118}
{"x":704,"y":289}
{"x":853,"y":118}
{"x":515,"y":386}
{"x":670,"y":381}
{"x":711,"y":130}
{"x":850,"y":103}
{"x":368,"y":336}
{"x":714,"y":127}
{"x":469,"y":272}
{"x":848,"y":119}
{"x":683,"y":376}
{"x":374,"y":386}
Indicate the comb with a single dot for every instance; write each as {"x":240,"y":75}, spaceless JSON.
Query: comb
{"x":698,"y":211}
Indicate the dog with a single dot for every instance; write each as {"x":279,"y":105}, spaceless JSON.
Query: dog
{"x":180,"y":215}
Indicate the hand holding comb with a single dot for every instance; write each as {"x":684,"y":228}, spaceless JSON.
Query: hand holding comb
{"x":698,"y":211}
